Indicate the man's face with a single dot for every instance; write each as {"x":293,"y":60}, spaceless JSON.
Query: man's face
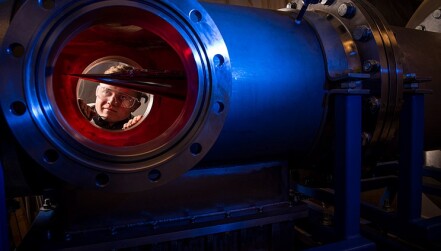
{"x":108,"y":103}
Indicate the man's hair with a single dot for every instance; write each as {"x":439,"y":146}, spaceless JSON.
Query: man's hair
{"x":124,"y":68}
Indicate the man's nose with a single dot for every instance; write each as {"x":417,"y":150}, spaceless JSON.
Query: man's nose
{"x":113,"y":100}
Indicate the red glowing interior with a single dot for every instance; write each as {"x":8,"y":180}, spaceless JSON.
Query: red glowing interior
{"x":144,"y":38}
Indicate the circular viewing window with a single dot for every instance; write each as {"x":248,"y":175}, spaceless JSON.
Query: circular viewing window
{"x":136,"y":104}
{"x":104,"y":114}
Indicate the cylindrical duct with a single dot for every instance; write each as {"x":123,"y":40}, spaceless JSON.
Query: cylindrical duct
{"x":274,"y":110}
{"x":256,"y":83}
{"x":278,"y":85}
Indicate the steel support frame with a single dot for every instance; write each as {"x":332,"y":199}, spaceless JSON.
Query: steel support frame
{"x":40,"y":236}
{"x":347,"y":172}
{"x":347,"y":165}
{"x":407,"y":221}
{"x":4,"y":236}
{"x":411,"y":157}
{"x":411,"y":168}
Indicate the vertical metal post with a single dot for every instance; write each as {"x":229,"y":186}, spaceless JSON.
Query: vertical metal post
{"x":4,"y":241}
{"x":411,"y":157}
{"x":347,"y":168}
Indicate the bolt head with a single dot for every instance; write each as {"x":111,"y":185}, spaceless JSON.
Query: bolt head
{"x":437,"y":14}
{"x":370,"y":65}
{"x":291,"y":5}
{"x":346,"y":10}
{"x":362,"y":33}
{"x":421,"y":27}
{"x":327,"y":2}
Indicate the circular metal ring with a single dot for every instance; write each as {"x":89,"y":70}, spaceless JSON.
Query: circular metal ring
{"x":49,"y":126}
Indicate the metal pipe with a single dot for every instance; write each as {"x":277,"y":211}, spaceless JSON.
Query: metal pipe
{"x":4,"y":229}
{"x":256,"y":84}
{"x":275,"y":101}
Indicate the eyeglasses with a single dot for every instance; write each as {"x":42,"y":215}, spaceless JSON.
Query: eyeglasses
{"x":124,"y":100}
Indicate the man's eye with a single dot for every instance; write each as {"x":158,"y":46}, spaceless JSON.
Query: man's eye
{"x":124,"y":98}
{"x":107,"y":92}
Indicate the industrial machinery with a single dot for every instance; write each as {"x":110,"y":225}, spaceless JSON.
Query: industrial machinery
{"x":261,"y":130}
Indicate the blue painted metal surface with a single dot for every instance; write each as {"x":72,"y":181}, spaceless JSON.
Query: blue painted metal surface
{"x":347,"y":169}
{"x":4,"y":241}
{"x":411,"y":158}
{"x":278,"y":79}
